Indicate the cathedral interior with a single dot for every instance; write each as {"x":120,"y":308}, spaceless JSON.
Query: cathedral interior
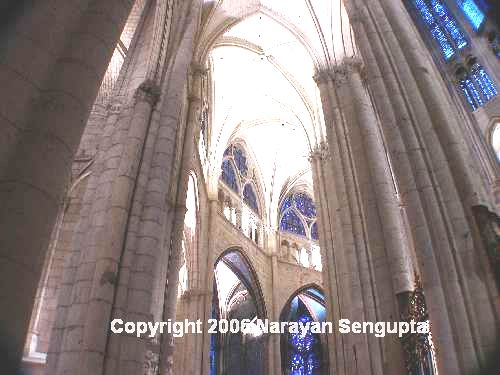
{"x":295,"y":161}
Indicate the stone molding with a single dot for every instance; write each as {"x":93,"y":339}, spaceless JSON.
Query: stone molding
{"x":320,"y":152}
{"x":340,"y":73}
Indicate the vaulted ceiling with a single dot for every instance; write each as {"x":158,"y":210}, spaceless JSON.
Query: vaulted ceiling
{"x":264,"y":55}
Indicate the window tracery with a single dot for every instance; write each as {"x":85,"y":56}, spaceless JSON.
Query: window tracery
{"x":250,"y":198}
{"x":291,"y":222}
{"x":473,"y":82}
{"x":442,"y":26}
{"x":229,"y":175}
{"x":236,"y":174}
{"x":298,"y":215}
{"x":476,"y":85}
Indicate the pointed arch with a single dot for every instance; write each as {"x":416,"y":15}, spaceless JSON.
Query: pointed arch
{"x":238,"y":296}
{"x":210,"y":37}
{"x":291,"y":222}
{"x":236,"y":259}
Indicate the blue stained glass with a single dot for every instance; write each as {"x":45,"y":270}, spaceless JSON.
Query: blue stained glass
{"x":290,"y":222}
{"x":449,"y":23}
{"x":312,"y":363}
{"x":287,"y":203}
{"x":229,"y":175}
{"x":296,"y":364}
{"x":305,"y":205}
{"x":467,"y":95}
{"x":241,"y":161}
{"x":250,"y":198}
{"x":473,"y":13}
{"x":213,"y":345}
{"x":484,"y":5}
{"x":314,"y":232}
{"x":484,"y":82}
{"x":446,"y":48}
{"x":437,"y":33}
{"x":228,"y":151}
{"x":303,"y":360}
{"x":473,"y":91}
{"x":302,"y":343}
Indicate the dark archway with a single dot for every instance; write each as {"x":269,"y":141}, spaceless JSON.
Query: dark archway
{"x":237,"y":296}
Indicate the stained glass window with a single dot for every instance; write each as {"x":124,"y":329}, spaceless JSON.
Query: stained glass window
{"x":304,"y":215}
{"x":442,"y":26}
{"x":434,"y":28}
{"x":235,"y":175}
{"x":314,"y":232}
{"x":213,"y":344}
{"x":290,"y":222}
{"x":305,"y":205}
{"x":229,"y":175}
{"x":477,"y":86}
{"x":472,"y":12}
{"x":470,"y":93}
{"x":483,"y":82}
{"x":240,"y":160}
{"x":287,"y":203}
{"x":250,"y":198}
{"x":301,"y":352}
{"x":449,"y":23}
{"x":303,"y":358}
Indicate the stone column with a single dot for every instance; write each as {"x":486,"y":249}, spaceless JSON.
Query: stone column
{"x":384,"y":226}
{"x":53,"y":65}
{"x":423,"y":175}
{"x":362,"y":352}
{"x":180,"y":210}
{"x":463,"y":178}
{"x":110,"y":233}
{"x":238,"y":215}
{"x":118,"y":268}
{"x":275,"y":350}
{"x":334,"y":307}
{"x":208,"y":284}
{"x":396,"y":244}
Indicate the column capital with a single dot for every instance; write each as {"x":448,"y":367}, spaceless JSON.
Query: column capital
{"x":196,"y":73}
{"x":322,"y":76}
{"x":148,"y":91}
{"x":344,"y":70}
{"x":320,"y":152}
{"x":197,"y":70}
{"x":352,"y":63}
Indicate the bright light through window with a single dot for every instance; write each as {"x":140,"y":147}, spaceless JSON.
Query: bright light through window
{"x":495,"y":139}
